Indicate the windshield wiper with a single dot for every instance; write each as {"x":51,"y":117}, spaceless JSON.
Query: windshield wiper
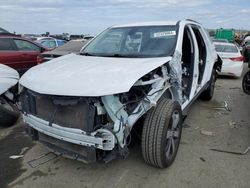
{"x":121,"y":55}
{"x":87,"y":54}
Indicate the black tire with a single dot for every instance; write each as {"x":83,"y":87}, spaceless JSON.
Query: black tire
{"x":246,"y":83}
{"x":157,"y":142}
{"x":9,"y":113}
{"x":207,"y":95}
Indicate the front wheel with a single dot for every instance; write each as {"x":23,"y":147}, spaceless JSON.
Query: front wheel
{"x":9,"y":113}
{"x":161,"y":133}
{"x":246,"y":83}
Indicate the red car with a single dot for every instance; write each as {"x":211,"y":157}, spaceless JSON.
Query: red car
{"x":19,"y":53}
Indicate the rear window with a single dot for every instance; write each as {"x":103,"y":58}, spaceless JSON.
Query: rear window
{"x":226,"y":48}
{"x":5,"y":44}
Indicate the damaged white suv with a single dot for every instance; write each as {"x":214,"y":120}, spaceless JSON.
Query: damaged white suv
{"x":129,"y":77}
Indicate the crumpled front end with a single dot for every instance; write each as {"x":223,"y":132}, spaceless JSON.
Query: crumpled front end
{"x":67,"y":125}
{"x":93,"y":128}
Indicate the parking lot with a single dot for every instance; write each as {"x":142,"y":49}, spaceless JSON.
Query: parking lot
{"x":208,"y":126}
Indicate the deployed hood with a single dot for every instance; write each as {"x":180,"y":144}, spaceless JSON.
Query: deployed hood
{"x":76,"y":75}
{"x":8,"y":78}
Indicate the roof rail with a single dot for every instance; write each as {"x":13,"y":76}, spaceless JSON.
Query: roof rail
{"x":192,"y":21}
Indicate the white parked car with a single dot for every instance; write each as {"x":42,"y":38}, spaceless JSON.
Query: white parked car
{"x":232,"y":59}
{"x":131,"y":77}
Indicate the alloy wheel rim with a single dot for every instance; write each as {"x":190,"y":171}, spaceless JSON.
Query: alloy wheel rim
{"x":173,"y":135}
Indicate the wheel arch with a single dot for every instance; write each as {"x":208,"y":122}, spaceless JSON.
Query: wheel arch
{"x":218,"y":64}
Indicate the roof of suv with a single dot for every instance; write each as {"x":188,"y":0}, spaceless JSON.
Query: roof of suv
{"x":156,"y":23}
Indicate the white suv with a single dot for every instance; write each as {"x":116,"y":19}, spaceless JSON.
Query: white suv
{"x":140,"y":76}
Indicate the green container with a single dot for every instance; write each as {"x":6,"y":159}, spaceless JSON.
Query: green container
{"x":228,"y":34}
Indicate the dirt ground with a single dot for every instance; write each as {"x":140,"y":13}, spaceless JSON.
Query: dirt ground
{"x":196,"y":165}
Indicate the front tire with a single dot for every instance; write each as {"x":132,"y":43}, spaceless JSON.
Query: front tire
{"x":161,"y":133}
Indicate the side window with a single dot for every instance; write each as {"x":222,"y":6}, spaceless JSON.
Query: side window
{"x":6,"y":44}
{"x":23,"y":45}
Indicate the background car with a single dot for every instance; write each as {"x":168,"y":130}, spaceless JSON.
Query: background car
{"x":32,"y":37}
{"x":50,"y":42}
{"x":246,"y":51}
{"x":19,"y":53}
{"x":73,"y":46}
{"x":232,"y":59}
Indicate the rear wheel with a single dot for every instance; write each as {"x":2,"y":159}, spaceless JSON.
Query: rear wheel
{"x":246,"y":83}
{"x":9,"y":113}
{"x":161,"y":133}
{"x":209,"y":92}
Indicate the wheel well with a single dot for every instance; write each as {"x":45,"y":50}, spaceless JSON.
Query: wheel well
{"x":218,"y":64}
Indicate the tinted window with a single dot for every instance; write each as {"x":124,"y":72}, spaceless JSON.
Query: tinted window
{"x":23,"y":45}
{"x":5,"y":44}
{"x":226,"y":48}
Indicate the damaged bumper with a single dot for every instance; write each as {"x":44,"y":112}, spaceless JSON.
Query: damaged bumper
{"x":100,"y":139}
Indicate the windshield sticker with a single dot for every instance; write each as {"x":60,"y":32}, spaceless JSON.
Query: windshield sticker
{"x":164,"y":34}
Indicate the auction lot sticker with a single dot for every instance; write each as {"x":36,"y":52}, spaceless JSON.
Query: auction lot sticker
{"x":164,"y":34}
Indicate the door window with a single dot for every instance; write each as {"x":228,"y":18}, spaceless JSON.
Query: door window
{"x":23,"y":45}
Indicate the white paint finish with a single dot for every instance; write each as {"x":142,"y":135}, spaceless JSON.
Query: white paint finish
{"x":8,"y":78}
{"x":75,"y":75}
{"x":196,"y":62}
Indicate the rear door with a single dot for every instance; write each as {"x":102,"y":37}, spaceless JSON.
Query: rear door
{"x":28,"y":53}
{"x":9,"y":54}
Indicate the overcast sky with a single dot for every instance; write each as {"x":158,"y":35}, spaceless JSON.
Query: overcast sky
{"x":92,"y":16}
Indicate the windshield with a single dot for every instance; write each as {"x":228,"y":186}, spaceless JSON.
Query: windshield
{"x":145,"y":41}
{"x":226,"y":48}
